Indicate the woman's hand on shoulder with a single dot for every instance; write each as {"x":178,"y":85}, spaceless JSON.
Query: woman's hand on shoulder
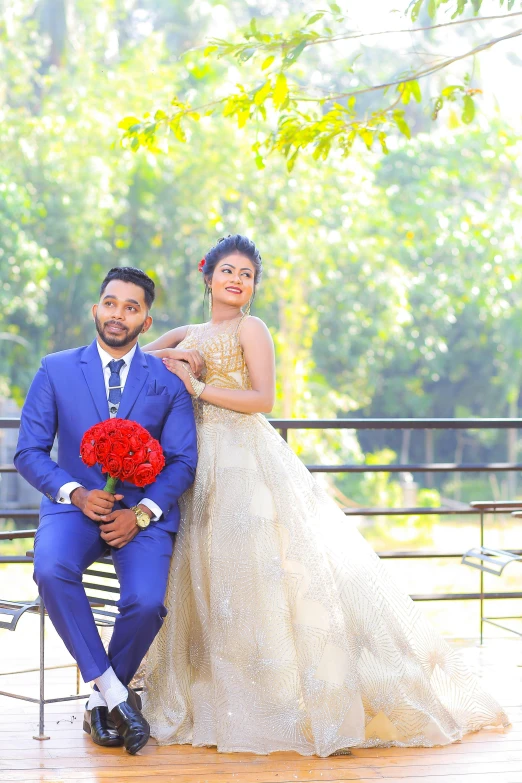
{"x":182,"y":370}
{"x":191,"y":356}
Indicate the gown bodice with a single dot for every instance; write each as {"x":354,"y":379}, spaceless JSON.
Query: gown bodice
{"x":221,"y":350}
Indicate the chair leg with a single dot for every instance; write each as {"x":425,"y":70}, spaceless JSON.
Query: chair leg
{"x":41,"y":735}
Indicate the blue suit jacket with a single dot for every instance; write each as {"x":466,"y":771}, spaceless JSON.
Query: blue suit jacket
{"x":68,"y":396}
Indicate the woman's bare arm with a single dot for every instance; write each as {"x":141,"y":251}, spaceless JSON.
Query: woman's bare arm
{"x":168,"y":340}
{"x":165,"y":348}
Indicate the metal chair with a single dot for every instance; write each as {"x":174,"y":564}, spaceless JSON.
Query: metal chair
{"x":492,"y":561}
{"x":102,"y":589}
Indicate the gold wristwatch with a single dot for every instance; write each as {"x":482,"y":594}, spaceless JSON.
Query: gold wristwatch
{"x":142,"y":518}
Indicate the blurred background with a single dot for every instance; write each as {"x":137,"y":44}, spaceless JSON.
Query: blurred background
{"x":392,"y":283}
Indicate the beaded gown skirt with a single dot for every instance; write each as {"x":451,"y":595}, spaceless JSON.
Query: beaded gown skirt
{"x":284,"y":630}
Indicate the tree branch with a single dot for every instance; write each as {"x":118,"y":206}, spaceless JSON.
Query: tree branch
{"x":349,"y":36}
{"x":419,"y":74}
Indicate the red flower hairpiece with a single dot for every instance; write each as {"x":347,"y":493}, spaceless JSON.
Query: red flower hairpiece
{"x":202,"y":264}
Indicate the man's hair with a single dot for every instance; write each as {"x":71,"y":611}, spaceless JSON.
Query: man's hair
{"x":129,"y":274}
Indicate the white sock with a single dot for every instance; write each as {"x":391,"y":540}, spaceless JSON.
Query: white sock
{"x":96,"y":700}
{"x":112,"y":690}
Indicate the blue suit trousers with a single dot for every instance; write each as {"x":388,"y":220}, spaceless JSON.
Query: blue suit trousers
{"x":65,"y":545}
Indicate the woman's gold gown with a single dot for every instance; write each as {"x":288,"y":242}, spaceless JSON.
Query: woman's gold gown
{"x":285,"y":631}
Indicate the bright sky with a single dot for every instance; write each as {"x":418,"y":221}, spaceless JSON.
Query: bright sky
{"x":499,"y":67}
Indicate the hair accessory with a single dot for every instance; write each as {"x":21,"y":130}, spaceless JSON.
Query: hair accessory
{"x":202,"y":264}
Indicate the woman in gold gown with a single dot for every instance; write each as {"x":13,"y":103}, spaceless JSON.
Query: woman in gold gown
{"x":284,"y":631}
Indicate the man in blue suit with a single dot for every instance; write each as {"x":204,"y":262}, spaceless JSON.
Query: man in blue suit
{"x":71,"y":391}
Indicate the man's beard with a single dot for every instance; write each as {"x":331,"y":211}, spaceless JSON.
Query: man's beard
{"x":112,"y":340}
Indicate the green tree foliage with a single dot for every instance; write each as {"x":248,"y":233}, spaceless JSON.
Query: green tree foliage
{"x":289,"y":115}
{"x":391,"y":283}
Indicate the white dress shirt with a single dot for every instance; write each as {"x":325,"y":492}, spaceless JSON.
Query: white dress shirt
{"x":64,"y":494}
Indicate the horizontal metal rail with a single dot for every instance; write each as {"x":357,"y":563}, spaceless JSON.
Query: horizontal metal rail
{"x":355,"y":424}
{"x":424,"y":467}
{"x":365,"y":424}
{"x":393,"y":424}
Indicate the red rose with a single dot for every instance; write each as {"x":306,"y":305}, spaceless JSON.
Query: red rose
{"x":103,"y":447}
{"x":144,"y":474}
{"x":120,"y":446}
{"x":88,"y":454}
{"x":126,"y":428}
{"x":135,"y":443}
{"x":139,"y":456}
{"x":143,"y":435}
{"x":114,"y":465}
{"x":157,"y":460}
{"x":127,"y":469}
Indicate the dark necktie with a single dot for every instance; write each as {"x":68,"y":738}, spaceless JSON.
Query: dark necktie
{"x":115,"y":385}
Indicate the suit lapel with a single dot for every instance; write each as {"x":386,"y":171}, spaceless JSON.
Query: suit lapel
{"x":93,"y":373}
{"x":138,"y":374}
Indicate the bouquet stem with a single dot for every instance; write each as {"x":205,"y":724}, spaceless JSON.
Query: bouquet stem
{"x":110,"y":485}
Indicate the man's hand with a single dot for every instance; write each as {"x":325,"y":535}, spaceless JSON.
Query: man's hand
{"x":119,"y":527}
{"x":93,"y":504}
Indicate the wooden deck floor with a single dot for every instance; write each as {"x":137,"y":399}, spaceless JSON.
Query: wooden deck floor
{"x":484,"y":757}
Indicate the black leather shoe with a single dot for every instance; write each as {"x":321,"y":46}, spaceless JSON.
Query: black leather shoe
{"x":100,"y":726}
{"x":134,"y":699}
{"x":131,"y":726}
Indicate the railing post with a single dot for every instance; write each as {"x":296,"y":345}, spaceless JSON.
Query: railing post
{"x":41,"y":735}
{"x":481,"y":580}
{"x":429,"y":453}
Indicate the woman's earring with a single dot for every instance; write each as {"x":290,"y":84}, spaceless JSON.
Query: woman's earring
{"x":210,"y":301}
{"x":247,"y":309}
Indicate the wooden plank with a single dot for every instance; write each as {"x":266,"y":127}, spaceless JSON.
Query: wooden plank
{"x":127,"y":774}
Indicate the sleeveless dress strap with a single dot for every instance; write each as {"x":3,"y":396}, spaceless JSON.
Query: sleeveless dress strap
{"x":240,"y":324}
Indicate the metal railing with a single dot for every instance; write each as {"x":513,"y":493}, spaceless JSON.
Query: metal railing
{"x":429,"y":425}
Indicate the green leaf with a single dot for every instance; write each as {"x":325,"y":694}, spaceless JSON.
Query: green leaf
{"x":432,"y":8}
{"x":416,"y":91}
{"x":210,"y":50}
{"x":160,"y":115}
{"x":280,"y":93}
{"x":367,"y":137}
{"x":398,"y":118}
{"x":335,"y":8}
{"x":449,"y":91}
{"x":267,"y":62}
{"x":262,"y":94}
{"x":315,"y":18}
{"x":292,"y":56}
{"x":127,"y":122}
{"x":415,"y":11}
{"x":246,"y":54}
{"x":177,"y":130}
{"x":469,"y":110}
{"x":290,"y":163}
{"x":260,"y":163}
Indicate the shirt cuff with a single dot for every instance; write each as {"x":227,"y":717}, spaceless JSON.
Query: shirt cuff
{"x":64,"y":493}
{"x":152,"y":506}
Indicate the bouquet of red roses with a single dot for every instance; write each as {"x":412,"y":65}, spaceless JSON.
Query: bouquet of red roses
{"x":124,"y":450}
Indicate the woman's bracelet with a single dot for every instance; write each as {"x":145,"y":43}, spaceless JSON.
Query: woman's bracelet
{"x":197,"y":386}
